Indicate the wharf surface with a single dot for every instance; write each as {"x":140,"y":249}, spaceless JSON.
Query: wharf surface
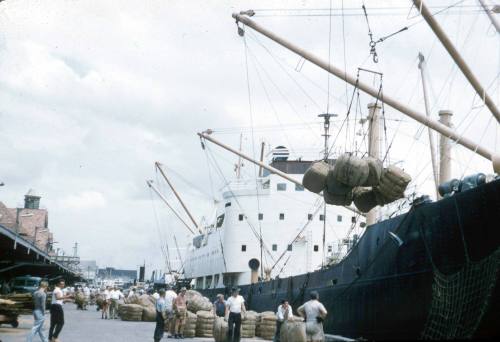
{"x":88,"y":326}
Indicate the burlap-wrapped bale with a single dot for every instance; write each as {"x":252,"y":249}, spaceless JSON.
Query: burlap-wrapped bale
{"x":190,"y":326}
{"x":196,"y":302}
{"x":351,"y":170}
{"x":131,"y":312}
{"x":80,"y":299}
{"x":315,"y":177}
{"x":134,"y":299}
{"x":375,"y":168}
{"x":364,"y":199}
{"x":266,"y":325}
{"x":146,"y":300}
{"x":204,"y":324}
{"x":248,"y":324}
{"x":293,"y":330}
{"x":393,"y":183}
{"x":337,"y":199}
{"x":220,"y":329}
{"x":149,"y":314}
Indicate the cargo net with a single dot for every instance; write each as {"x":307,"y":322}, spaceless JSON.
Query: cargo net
{"x":460,"y":300}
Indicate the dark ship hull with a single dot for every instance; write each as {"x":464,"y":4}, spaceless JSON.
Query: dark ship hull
{"x":438,"y":280}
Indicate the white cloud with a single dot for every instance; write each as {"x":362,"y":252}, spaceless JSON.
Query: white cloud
{"x":84,"y":201}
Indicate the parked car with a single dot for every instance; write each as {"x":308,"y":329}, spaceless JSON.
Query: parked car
{"x":25,"y":284}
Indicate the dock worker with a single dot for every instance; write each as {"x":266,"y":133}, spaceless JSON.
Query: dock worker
{"x":220,"y":306}
{"x":39,"y":299}
{"x":56,"y":311}
{"x":170,"y":296}
{"x":105,"y":303}
{"x":161,"y":315}
{"x":180,"y":310}
{"x":115,"y":295}
{"x":235,"y":307}
{"x":314,"y":312}
{"x":283,"y":314}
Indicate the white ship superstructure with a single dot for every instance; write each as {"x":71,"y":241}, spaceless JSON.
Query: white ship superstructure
{"x":289,"y":219}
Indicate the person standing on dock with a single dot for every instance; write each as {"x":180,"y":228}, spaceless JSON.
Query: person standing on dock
{"x":284,"y":313}
{"x":170,"y":296}
{"x":160,"y":316}
{"x":115,"y":295}
{"x":235,"y":306}
{"x":314,"y":312}
{"x":56,"y":312}
{"x":220,"y":306}
{"x":180,"y":309}
{"x":39,"y":299}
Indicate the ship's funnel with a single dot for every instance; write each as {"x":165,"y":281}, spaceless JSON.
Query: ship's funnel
{"x":254,"y":265}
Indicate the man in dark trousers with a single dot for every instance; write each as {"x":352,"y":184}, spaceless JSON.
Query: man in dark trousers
{"x":235,"y":307}
{"x":161,"y":312}
{"x":56,"y":311}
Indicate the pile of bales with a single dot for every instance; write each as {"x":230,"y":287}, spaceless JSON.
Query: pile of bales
{"x":266,"y":325}
{"x":249,"y":324}
{"x":145,"y":302}
{"x":190,"y":326}
{"x":204,"y":324}
{"x":220,"y":329}
{"x":196,"y":302}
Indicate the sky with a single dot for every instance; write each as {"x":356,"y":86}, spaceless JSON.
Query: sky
{"x":92,"y":93}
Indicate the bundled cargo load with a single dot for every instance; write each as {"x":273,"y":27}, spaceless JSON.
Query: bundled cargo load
{"x":220,"y":329}
{"x":204,"y":324}
{"x":351,"y":170}
{"x":196,"y":302}
{"x":314,"y":178}
{"x":375,"y":168}
{"x":364,"y":199}
{"x":190,"y":326}
{"x":393,"y":183}
{"x":146,"y":300}
{"x":130,"y":312}
{"x":266,"y":325}
{"x":248,"y":324}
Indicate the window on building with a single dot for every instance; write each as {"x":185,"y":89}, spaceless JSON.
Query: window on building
{"x":289,"y":248}
{"x":353,"y":219}
{"x":321,"y":217}
{"x":339,"y":218}
{"x":220,"y":220}
{"x":316,"y":248}
{"x":261,"y":216}
{"x":282,"y":216}
{"x":240,"y":217}
{"x":299,"y":187}
{"x":216,"y":280}
{"x":228,"y":204}
{"x":330,"y":248}
{"x":275,"y":247}
{"x":281,"y":186}
{"x":310,"y":217}
{"x":243,"y":248}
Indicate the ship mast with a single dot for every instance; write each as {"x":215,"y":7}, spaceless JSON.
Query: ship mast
{"x":373,"y":148}
{"x":490,"y":15}
{"x":433,"y":124}
{"x":459,"y":61}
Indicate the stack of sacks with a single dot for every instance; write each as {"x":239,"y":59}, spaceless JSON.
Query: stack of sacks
{"x":266,"y":325}
{"x":132,"y":299}
{"x":130,"y":312}
{"x":363,"y":181}
{"x":204,"y":324}
{"x":293,"y":330}
{"x":248,"y":324}
{"x":23,"y":303}
{"x":196,"y":302}
{"x":190,"y":326}
{"x":220,"y":329}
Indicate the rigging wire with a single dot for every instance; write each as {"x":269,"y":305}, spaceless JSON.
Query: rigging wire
{"x":253,"y":150}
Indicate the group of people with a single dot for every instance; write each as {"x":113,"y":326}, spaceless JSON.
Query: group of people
{"x":56,"y":312}
{"x":170,"y":308}
{"x":233,"y":310}
{"x":109,"y":304}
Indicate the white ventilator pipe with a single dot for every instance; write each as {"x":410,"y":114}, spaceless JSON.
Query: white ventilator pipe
{"x":438,"y":31}
{"x":435,"y":125}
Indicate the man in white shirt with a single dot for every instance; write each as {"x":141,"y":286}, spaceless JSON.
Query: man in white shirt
{"x":115,"y":295}
{"x":170,"y":296}
{"x":56,"y":311}
{"x":235,"y":306}
{"x":130,"y":293}
{"x":106,"y":302}
{"x":314,"y":312}
{"x":284,"y":313}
